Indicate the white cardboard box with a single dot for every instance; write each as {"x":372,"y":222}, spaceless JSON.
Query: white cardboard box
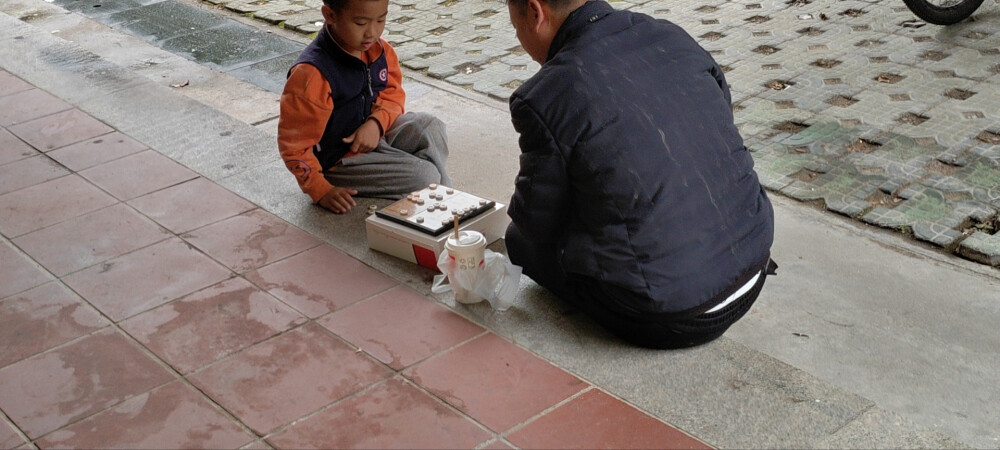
{"x":421,"y":248}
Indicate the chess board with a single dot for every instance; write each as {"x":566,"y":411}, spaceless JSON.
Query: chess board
{"x":432,"y":210}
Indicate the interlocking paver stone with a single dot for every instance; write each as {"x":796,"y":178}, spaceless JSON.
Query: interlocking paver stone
{"x":982,"y":247}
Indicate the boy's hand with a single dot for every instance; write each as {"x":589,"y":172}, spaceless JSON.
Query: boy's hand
{"x":365,"y":138}
{"x":338,"y":200}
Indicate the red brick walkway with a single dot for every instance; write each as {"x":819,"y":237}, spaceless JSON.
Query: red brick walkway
{"x":142,"y":305}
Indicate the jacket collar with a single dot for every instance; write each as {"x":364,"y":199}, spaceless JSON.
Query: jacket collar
{"x":588,"y":13}
{"x":327,"y":41}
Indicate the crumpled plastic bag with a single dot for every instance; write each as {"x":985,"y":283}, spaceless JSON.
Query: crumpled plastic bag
{"x":496,"y":283}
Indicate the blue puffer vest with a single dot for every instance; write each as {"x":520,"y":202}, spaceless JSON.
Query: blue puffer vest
{"x":355,"y":86}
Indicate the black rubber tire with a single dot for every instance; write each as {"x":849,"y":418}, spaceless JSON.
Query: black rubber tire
{"x":937,"y":15}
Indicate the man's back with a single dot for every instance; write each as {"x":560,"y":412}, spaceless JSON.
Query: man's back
{"x":632,"y":164}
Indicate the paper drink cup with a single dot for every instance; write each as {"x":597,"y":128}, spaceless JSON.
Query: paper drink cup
{"x":468,"y":251}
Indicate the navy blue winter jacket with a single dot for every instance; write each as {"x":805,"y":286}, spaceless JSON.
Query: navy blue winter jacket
{"x":631,"y":164}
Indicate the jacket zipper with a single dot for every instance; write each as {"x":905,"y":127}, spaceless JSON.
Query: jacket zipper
{"x":368,"y":84}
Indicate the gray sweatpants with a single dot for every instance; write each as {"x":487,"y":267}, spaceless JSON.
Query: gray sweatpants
{"x":410,"y":156}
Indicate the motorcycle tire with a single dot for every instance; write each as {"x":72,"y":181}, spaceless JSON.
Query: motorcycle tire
{"x":943,"y":15}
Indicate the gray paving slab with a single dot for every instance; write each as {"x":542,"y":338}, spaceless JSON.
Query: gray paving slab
{"x":230,"y":45}
{"x":98,"y":8}
{"x":878,"y":428}
{"x":269,"y":74}
{"x":164,"y":20}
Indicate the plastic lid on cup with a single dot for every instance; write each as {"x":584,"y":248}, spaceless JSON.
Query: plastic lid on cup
{"x":467,"y":238}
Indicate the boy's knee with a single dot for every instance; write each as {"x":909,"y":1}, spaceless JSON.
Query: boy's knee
{"x":423,"y":174}
{"x":426,"y":123}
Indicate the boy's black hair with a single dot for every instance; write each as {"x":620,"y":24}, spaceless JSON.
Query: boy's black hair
{"x":336,"y":5}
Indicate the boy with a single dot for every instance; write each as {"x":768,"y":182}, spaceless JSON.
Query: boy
{"x":342,"y":130}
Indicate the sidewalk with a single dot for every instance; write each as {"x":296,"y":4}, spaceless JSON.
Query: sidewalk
{"x":146,"y":306}
{"x":150,"y":277}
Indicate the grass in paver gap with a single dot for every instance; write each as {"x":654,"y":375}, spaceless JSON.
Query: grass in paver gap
{"x":919,"y":214}
{"x":981,"y":175}
{"x":843,"y":189}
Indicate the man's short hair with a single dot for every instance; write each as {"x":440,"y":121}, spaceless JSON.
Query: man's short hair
{"x":556,"y":5}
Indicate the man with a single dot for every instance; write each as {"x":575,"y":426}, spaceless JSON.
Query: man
{"x":636,"y":199}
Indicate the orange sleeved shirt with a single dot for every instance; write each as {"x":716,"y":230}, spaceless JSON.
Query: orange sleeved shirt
{"x":306,"y":106}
